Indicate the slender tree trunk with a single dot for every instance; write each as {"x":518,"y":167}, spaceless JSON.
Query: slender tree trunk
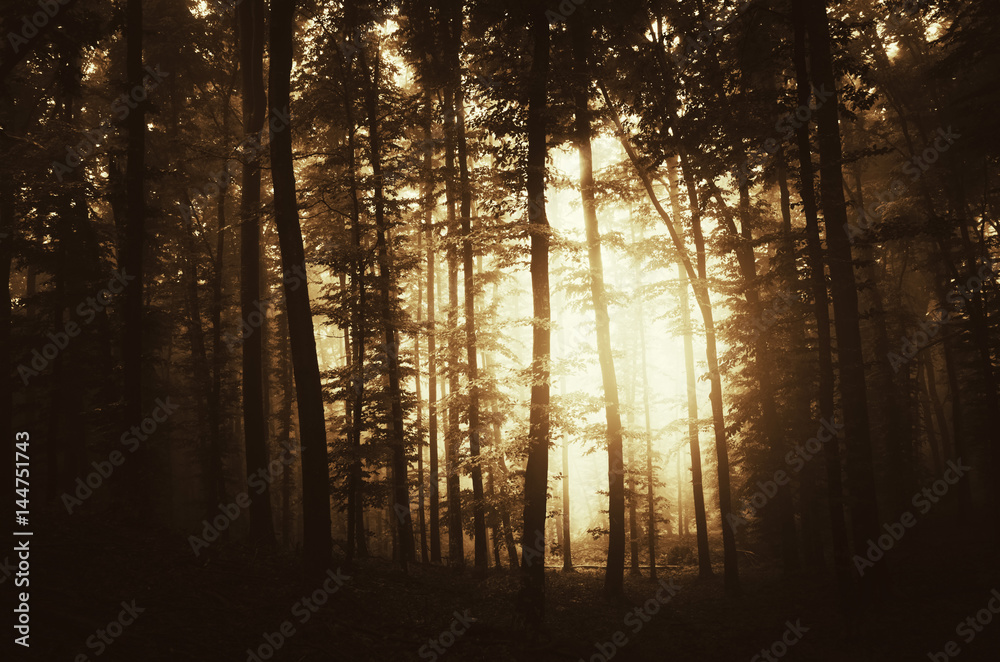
{"x":650,"y":482}
{"x":400,"y":483}
{"x":614,"y":572}
{"x":432,"y":390}
{"x":316,"y":541}
{"x":456,"y":540}
{"x":567,"y":543}
{"x":251,"y":22}
{"x":698,"y":491}
{"x":218,"y":493}
{"x":508,"y":531}
{"x":633,"y":523}
{"x":821,"y":303}
{"x":531,"y":598}
{"x":357,"y":531}
{"x":132,"y":263}
{"x":479,"y":516}
{"x":285,"y":437}
{"x":421,"y":519}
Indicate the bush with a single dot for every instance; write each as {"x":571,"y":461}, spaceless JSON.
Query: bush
{"x":680,"y":555}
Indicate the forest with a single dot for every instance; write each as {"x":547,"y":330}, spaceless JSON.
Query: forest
{"x":500,"y":330}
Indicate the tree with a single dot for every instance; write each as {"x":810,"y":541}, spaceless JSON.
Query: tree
{"x":843,"y":287}
{"x":251,"y":33}
{"x":614,"y":573}
{"x":305,"y":365}
{"x":531,"y":598}
{"x":132,"y":254}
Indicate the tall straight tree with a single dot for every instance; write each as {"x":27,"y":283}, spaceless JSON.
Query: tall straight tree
{"x":132,"y":263}
{"x":465,"y":194}
{"x":843,"y":288}
{"x":615,"y":569}
{"x":316,"y":541}
{"x":432,"y":389}
{"x":251,"y":28}
{"x":386,"y":285}
{"x":456,"y":542}
{"x":821,"y":306}
{"x":531,"y":598}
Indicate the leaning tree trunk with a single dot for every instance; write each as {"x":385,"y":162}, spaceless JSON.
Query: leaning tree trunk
{"x":700,"y":516}
{"x":699,"y":284}
{"x":615,"y":569}
{"x":316,"y":541}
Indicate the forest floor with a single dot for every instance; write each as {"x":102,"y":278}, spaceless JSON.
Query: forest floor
{"x":230,"y":601}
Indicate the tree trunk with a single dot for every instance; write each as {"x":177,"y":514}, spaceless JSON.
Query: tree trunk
{"x":218,"y":493}
{"x":421,"y":519}
{"x":700,"y":516}
{"x":854,"y":395}
{"x":531,"y":598}
{"x":567,"y":544}
{"x":316,"y":541}
{"x":614,"y":572}
{"x":432,"y":390}
{"x":400,"y":483}
{"x":821,"y":306}
{"x":479,"y":517}
{"x":251,"y":22}
{"x":650,"y":484}
{"x":132,"y":264}
{"x":456,"y":540}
